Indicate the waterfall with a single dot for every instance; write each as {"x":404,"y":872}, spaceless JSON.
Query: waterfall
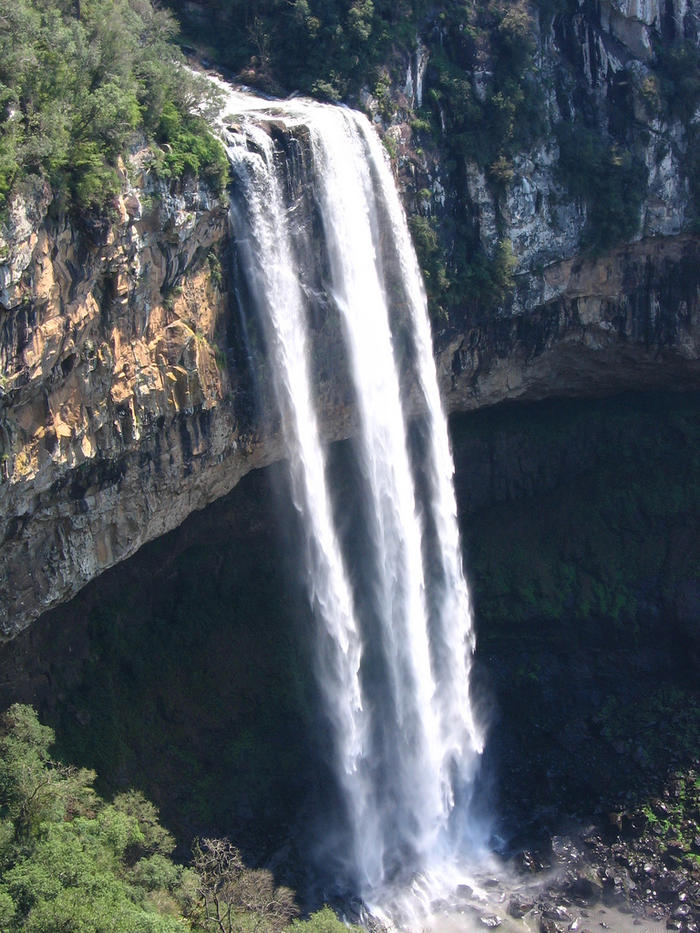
{"x":405,"y":740}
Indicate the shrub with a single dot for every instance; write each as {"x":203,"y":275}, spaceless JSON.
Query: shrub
{"x":79,"y":81}
{"x":610,"y":181}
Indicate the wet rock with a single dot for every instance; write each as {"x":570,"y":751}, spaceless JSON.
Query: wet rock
{"x":550,"y":926}
{"x":491,"y":920}
{"x":660,"y":809}
{"x":585,"y":890}
{"x":669,"y":885}
{"x":529,"y":861}
{"x":519,"y":905}
{"x":632,"y":825}
{"x":577,"y":926}
{"x":556,"y":912}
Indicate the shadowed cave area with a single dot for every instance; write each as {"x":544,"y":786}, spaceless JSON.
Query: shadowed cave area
{"x":186,"y":671}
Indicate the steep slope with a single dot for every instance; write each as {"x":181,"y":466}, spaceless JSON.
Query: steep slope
{"x":561,"y":260}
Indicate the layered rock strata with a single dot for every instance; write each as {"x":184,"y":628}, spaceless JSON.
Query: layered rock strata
{"x":128,"y":397}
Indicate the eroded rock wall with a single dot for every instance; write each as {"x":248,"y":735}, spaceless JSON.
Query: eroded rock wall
{"x":127,"y":399}
{"x":116,"y":400}
{"x":583,"y":327}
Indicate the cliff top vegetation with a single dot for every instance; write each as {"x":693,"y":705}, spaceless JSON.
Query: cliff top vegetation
{"x":80,"y":81}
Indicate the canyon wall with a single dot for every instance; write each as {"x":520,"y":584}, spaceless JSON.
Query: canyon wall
{"x":128,"y":394}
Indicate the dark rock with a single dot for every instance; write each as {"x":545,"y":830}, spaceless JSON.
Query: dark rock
{"x":464,"y":891}
{"x":519,"y":905}
{"x":529,"y":861}
{"x":632,"y":825}
{"x":557,"y":912}
{"x":669,"y":885}
{"x":549,"y":926}
{"x":587,"y":890}
{"x":659,"y":809}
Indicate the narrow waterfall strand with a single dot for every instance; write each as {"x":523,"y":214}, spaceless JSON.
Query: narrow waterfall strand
{"x":275,"y":284}
{"x":348,"y":205}
{"x":460,"y":730}
{"x":407,"y":747}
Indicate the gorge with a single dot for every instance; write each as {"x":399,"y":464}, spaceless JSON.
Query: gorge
{"x":153,"y":364}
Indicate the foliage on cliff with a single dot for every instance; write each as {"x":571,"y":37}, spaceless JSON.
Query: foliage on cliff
{"x":71,"y":861}
{"x":333,"y":48}
{"x":329,"y":48}
{"x":607,"y":178}
{"x":79,"y":81}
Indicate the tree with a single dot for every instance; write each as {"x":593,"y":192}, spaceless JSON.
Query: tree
{"x":235,"y":898}
{"x":69,"y":861}
{"x":323,"y":921}
{"x":79,"y":83}
{"x":34,"y":787}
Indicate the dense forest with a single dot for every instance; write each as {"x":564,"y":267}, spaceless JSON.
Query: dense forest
{"x":81,"y":83}
{"x":71,"y":861}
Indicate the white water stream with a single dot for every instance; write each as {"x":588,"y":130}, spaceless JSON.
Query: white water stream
{"x":404,"y":750}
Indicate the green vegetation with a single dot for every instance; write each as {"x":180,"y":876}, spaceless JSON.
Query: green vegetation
{"x":469,"y":277}
{"x":673,"y":821}
{"x":493,"y":40}
{"x":586,"y":548}
{"x":328,"y":48}
{"x":71,"y":862}
{"x":677,"y":67}
{"x":332,"y":49}
{"x":484,"y":104}
{"x":432,"y":262}
{"x":608,"y":178}
{"x":81,"y":81}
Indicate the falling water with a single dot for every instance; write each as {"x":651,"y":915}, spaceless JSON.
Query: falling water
{"x":275,"y":286}
{"x":405,"y":748}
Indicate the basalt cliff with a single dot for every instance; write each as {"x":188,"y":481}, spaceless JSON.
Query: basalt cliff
{"x":129,"y":395}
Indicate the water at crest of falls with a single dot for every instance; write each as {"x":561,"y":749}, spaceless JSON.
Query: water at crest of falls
{"x":405,"y":742}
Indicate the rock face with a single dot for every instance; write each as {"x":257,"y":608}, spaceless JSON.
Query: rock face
{"x":628,"y":320}
{"x":113,"y":393}
{"x":126,"y":395}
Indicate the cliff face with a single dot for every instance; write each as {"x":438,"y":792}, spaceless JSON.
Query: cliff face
{"x":114,"y":393}
{"x":570,"y":310}
{"x":627,"y":320}
{"x":126,"y":397}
